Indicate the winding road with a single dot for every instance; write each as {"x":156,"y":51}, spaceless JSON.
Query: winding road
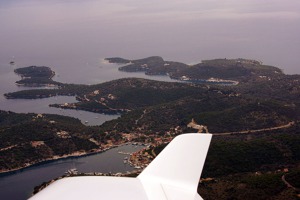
{"x":258,"y":130}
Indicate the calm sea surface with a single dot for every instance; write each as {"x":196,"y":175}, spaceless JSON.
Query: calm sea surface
{"x":73,"y":37}
{"x":92,"y":74}
{"x":20,"y":184}
{"x":74,"y":34}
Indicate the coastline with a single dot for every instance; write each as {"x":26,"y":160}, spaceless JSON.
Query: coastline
{"x":56,"y":158}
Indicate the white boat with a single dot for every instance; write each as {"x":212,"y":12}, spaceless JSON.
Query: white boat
{"x":72,"y":171}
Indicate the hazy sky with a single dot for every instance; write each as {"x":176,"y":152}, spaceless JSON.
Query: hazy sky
{"x":187,"y":31}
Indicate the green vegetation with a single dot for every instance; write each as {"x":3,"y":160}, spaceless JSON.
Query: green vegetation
{"x":35,"y":71}
{"x":249,"y":153}
{"x":293,"y":178}
{"x":154,"y":65}
{"x":38,"y":81}
{"x":247,"y":186}
{"x":240,"y":156}
{"x":36,"y":76}
{"x":117,"y":60}
{"x":269,"y":183}
{"x":265,"y":98}
{"x":250,"y":166}
{"x":232,"y":69}
{"x":257,"y":122}
{"x":30,"y":138}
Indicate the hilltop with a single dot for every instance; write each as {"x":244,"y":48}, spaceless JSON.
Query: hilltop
{"x":213,"y":70}
{"x":264,"y":97}
{"x":36,"y":76}
{"x":27,"y":139}
{"x":255,"y":122}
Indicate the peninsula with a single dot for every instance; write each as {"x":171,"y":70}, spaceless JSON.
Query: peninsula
{"x":255,"y":122}
{"x":218,"y":71}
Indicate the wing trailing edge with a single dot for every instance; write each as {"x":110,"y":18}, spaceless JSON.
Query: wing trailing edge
{"x":173,"y":175}
{"x":178,"y":167}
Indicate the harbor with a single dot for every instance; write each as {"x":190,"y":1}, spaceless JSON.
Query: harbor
{"x":20,"y":184}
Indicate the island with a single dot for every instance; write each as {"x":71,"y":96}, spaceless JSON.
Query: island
{"x":217,"y":71}
{"x":36,"y":76}
{"x":255,"y":122}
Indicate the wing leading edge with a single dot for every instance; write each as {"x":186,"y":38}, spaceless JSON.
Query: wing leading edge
{"x":173,"y":175}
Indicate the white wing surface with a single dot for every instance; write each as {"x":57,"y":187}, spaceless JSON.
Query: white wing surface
{"x":173,"y":175}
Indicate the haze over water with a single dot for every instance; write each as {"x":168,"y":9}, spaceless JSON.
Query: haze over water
{"x":72,"y":37}
{"x":73,"y":34}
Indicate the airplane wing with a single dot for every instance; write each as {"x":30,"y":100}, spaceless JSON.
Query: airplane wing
{"x":173,"y":175}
